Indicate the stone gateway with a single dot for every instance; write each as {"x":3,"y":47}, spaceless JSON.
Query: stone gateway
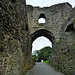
{"x":19,"y":27}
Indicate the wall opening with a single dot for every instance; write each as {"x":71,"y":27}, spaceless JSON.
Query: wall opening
{"x":42,"y":18}
{"x":70,"y":28}
{"x":42,"y":40}
{"x":26,"y":27}
{"x":41,"y":49}
{"x":1,"y":50}
{"x":40,"y":43}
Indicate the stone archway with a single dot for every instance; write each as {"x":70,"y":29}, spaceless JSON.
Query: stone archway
{"x":44,"y":33}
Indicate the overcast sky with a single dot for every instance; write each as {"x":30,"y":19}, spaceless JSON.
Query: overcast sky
{"x":42,"y":41}
{"x":44,"y":3}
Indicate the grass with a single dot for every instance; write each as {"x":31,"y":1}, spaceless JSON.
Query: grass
{"x":46,"y":61}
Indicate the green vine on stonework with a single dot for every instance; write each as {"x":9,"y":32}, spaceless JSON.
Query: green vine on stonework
{"x":57,"y":41}
{"x":74,"y":47}
{"x":73,"y":20}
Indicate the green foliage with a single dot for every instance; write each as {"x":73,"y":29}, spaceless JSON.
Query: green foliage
{"x":74,"y":47}
{"x":46,"y":61}
{"x":42,"y":54}
{"x":34,"y":57}
{"x":57,"y":41}
{"x":1,"y":54}
{"x":73,"y":20}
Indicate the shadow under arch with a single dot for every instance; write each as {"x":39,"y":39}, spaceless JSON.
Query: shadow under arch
{"x":44,"y":33}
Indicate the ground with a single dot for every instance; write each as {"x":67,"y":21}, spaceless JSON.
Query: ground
{"x":42,"y":69}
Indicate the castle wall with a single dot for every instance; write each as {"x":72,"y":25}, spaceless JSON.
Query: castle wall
{"x":15,"y":51}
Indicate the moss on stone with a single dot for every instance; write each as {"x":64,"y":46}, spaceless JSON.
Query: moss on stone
{"x":57,"y":41}
{"x":73,"y":20}
{"x":74,"y":48}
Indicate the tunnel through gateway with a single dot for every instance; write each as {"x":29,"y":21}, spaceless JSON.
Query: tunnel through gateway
{"x":44,"y":33}
{"x":44,"y":52}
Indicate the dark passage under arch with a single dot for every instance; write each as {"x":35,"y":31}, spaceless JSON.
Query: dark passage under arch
{"x":44,"y":33}
{"x":70,"y":28}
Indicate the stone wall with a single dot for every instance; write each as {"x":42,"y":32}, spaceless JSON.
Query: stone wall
{"x":58,"y":18}
{"x":15,"y":48}
{"x":55,"y":17}
{"x":64,"y":54}
{"x":67,"y":46}
{"x":16,"y":26}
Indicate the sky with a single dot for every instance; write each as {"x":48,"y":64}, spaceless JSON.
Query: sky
{"x":44,"y":3}
{"x":42,"y":41}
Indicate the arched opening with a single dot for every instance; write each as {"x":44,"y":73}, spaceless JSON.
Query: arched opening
{"x":40,"y":43}
{"x":45,"y":38}
{"x":70,"y":28}
{"x":42,"y":19}
{"x":42,"y":32}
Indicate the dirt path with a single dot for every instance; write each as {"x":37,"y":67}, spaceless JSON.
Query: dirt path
{"x":42,"y":69}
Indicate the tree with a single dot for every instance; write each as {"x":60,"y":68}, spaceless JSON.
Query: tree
{"x":42,"y":54}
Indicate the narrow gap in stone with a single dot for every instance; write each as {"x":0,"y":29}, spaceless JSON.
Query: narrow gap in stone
{"x":13,"y":1}
{"x":1,"y":49}
{"x":70,"y":28}
{"x":42,"y":16}
{"x":26,"y":27}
